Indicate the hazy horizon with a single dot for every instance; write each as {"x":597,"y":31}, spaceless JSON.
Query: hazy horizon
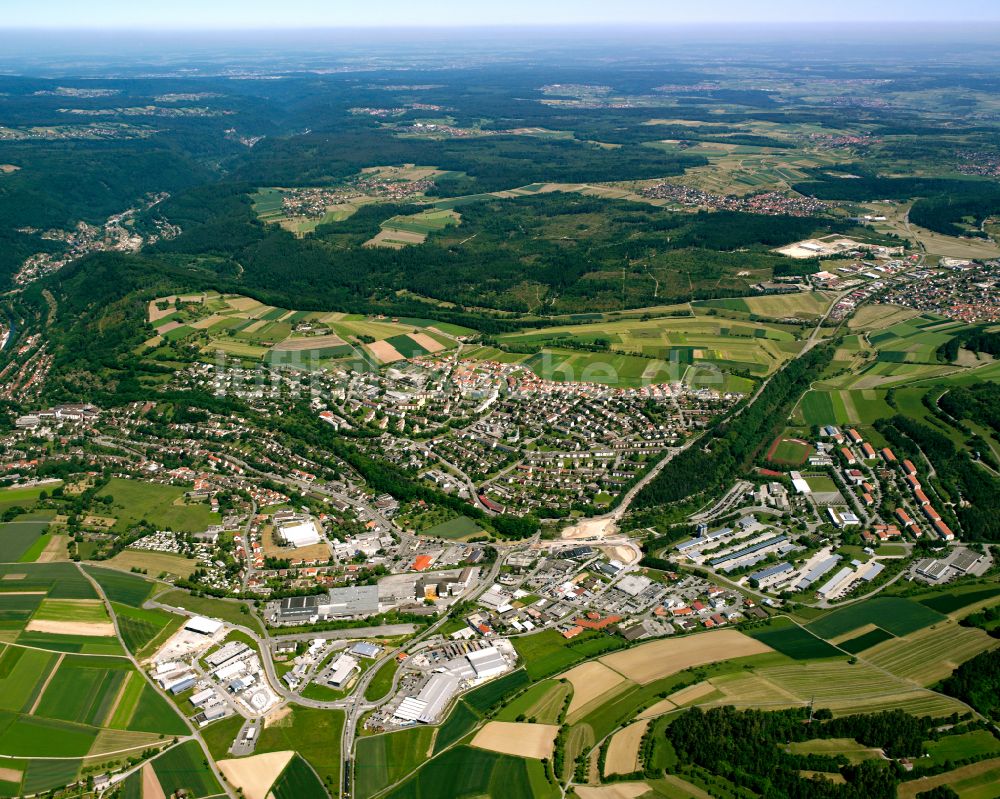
{"x":225,"y":15}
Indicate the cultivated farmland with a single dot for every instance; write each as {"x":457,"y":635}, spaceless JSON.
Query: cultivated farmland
{"x":894,"y":614}
{"x":520,"y":740}
{"x":381,"y":760}
{"x":658,"y":659}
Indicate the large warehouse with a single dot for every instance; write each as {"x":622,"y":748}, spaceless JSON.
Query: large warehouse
{"x":300,"y":534}
{"x":359,"y":600}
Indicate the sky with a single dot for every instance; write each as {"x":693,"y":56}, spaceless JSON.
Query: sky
{"x":271,"y":14}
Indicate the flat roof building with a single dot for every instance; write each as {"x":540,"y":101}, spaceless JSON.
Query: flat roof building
{"x":300,"y":534}
{"x":203,"y":625}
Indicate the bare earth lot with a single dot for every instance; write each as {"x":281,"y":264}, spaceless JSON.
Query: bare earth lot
{"x":520,"y":740}
{"x":151,"y":788}
{"x":101,"y":629}
{"x":384,"y":351}
{"x":659,"y":659}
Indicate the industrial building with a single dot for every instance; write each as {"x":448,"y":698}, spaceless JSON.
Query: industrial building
{"x":433,"y":699}
{"x":299,"y":534}
{"x":360,"y":600}
{"x":341,"y":671}
{"x":203,"y":626}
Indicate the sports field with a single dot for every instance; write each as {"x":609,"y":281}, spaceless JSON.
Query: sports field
{"x":789,"y":451}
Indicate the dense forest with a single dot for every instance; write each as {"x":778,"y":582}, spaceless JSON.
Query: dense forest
{"x":747,"y":748}
{"x":562,"y":252}
{"x":977,"y":682}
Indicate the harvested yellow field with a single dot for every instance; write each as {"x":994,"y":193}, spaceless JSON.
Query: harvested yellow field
{"x":659,"y":659}
{"x":425,"y":341}
{"x":623,"y":750}
{"x":623,"y":790}
{"x":256,"y":774}
{"x":119,"y":740}
{"x":692,"y":693}
{"x":151,"y":788}
{"x":243,"y":303}
{"x":520,"y":740}
{"x":312,"y":343}
{"x":589,"y":681}
{"x":207,"y":322}
{"x":96,"y":629}
{"x":55,"y":550}
{"x":752,"y":690}
{"x":384,"y":351}
{"x":931,"y":654}
{"x":659,"y":709}
{"x":879,"y":317}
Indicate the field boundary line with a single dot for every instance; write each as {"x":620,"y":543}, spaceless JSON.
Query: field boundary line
{"x":45,"y":685}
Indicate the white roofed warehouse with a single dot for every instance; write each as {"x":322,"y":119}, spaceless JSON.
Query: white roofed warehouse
{"x":300,"y":534}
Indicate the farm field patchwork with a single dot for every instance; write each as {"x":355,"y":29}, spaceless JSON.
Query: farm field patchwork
{"x":20,"y":540}
{"x":978,"y":781}
{"x":894,"y":614}
{"x":182,"y":768}
{"x":657,"y":659}
{"x":521,"y":740}
{"x":467,"y":772}
{"x":161,"y":505}
{"x":929,"y":655}
{"x":253,"y":776}
{"x":623,"y":750}
{"x":542,"y":702}
{"x":296,"y":781}
{"x":381,"y":760}
{"x":794,"y":641}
